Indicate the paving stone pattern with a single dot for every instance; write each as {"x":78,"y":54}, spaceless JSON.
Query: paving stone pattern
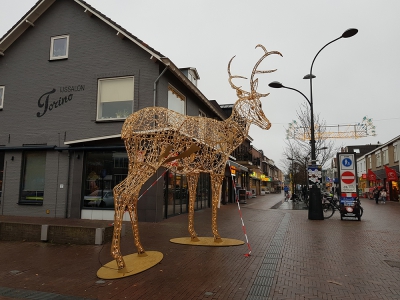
{"x":292,"y":258}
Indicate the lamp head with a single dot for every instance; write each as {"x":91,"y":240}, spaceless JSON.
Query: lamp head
{"x":276,"y":85}
{"x":309,"y":76}
{"x":349,"y":32}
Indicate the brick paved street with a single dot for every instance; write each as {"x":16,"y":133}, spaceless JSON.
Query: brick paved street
{"x":292,"y":258}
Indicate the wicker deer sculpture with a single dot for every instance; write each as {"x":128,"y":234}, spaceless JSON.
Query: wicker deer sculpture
{"x":158,"y":137}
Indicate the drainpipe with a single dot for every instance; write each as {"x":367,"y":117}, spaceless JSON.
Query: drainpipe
{"x":154,"y":104}
{"x":155,"y":86}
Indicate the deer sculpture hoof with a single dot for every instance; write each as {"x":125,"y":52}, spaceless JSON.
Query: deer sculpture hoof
{"x":123,"y":270}
{"x":142,"y":254}
{"x":217,"y":239}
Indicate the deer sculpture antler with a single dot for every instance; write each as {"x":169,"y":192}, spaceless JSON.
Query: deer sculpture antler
{"x":253,"y":83}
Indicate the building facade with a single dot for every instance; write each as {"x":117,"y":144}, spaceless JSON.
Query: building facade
{"x":69,"y":77}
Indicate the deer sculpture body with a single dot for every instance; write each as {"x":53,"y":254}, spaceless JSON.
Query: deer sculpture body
{"x":156,"y":137}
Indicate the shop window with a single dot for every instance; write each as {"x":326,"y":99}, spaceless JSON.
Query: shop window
{"x":33,"y":178}
{"x":2,"y":88}
{"x":59,"y":47}
{"x":176,"y":101}
{"x":115,"y":98}
{"x":102,"y":172}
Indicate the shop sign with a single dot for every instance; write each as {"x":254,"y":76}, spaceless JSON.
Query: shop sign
{"x":45,"y":103}
{"x":233,"y":171}
{"x":254,"y":175}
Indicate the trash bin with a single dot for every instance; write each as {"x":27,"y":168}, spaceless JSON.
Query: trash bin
{"x":242,"y":196}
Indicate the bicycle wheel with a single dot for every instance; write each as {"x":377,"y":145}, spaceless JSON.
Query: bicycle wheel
{"x":328,"y":210}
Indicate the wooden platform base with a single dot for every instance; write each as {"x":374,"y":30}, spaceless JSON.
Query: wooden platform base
{"x":134,"y":265}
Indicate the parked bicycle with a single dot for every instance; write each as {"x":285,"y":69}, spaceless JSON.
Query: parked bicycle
{"x":330,"y":204}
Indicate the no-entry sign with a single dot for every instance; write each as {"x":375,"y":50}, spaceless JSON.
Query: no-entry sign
{"x":348,"y":177}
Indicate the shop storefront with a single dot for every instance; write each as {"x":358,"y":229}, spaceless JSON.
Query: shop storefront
{"x":392,"y":182}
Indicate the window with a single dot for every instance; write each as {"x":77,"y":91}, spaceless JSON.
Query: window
{"x":202,"y":114}
{"x":385,"y":156}
{"x":378,"y":159}
{"x":176,"y":101}
{"x":369,"y":161}
{"x":102,"y":172}
{"x":33,"y":178}
{"x":115,"y":98}
{"x":396,"y":152}
{"x":59,"y":47}
{"x":1,"y":96}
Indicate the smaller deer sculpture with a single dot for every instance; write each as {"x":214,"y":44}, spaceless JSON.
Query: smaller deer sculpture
{"x":158,"y":137}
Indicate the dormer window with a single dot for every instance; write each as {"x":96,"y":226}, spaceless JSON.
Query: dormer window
{"x":59,"y":47}
{"x":192,"y":76}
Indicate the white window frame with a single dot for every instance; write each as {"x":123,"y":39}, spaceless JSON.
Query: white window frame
{"x":395,"y":152}
{"x":385,"y":156}
{"x":56,"y":57}
{"x":120,"y":114}
{"x":370,"y":162}
{"x":174,"y":95}
{"x":378,"y":158}
{"x":2,"y":89}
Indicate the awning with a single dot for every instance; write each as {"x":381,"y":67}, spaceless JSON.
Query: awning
{"x":238,"y":166}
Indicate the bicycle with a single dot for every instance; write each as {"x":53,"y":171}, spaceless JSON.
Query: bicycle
{"x":331,"y":204}
{"x":287,"y":196}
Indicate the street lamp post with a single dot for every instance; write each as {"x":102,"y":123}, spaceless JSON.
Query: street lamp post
{"x":292,"y":159}
{"x":315,"y":204}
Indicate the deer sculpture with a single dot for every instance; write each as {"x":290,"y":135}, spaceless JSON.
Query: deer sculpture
{"x":157,"y":137}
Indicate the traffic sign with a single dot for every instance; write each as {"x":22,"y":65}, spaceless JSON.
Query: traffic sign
{"x":346,"y":161}
{"x":348,"y":177}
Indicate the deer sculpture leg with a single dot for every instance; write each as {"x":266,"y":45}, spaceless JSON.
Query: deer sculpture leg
{"x":126,"y":196}
{"x":192,"y":185}
{"x":119,"y":208}
{"x":216,"y":182}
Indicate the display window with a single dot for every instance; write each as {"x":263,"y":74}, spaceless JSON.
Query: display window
{"x":102,"y":172}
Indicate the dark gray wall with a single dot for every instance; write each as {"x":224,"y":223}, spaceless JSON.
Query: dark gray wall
{"x":95,"y":51}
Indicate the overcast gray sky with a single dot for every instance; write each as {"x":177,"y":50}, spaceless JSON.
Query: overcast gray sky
{"x":356,"y":77}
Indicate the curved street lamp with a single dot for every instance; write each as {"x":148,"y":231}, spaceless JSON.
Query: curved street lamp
{"x":315,"y":203}
{"x":292,"y":171}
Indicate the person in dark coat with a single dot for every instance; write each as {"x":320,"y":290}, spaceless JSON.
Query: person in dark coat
{"x":376,"y":195}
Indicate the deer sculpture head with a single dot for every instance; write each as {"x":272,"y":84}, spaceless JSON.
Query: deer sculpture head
{"x":248,"y":106}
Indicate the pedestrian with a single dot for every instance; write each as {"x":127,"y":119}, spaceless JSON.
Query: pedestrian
{"x":286,"y":190}
{"x":383,"y":196}
{"x":304,"y":192}
{"x":376,"y":195}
